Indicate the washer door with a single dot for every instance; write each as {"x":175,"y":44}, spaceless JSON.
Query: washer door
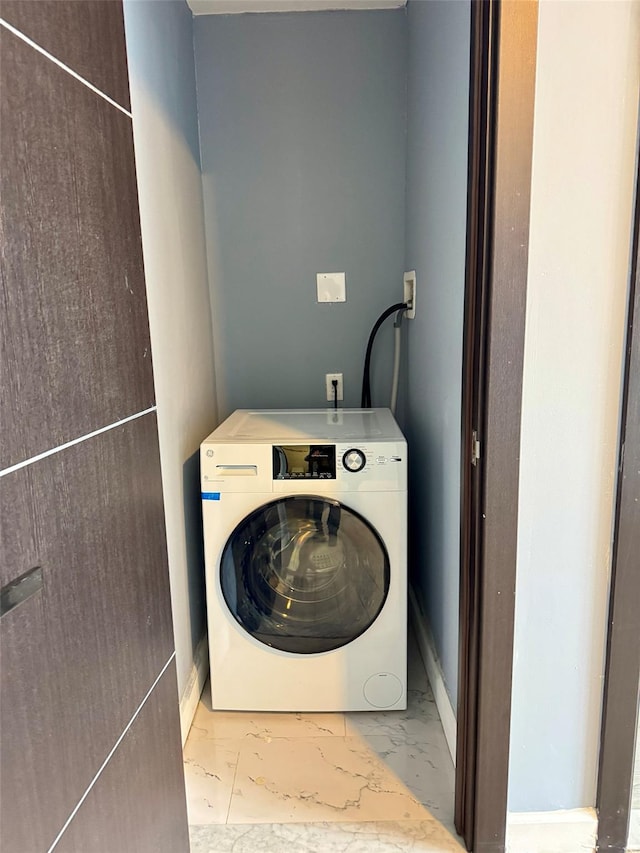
{"x":304,"y":574}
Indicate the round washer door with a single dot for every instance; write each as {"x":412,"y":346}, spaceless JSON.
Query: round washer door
{"x":304,"y":574}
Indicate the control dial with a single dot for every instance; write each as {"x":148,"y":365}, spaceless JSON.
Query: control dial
{"x":354,"y":460}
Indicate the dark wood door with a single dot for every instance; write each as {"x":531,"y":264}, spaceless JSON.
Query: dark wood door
{"x":91,"y":753}
{"x":75,"y":341}
{"x":503,"y":62}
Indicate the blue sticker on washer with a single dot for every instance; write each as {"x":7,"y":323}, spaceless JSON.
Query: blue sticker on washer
{"x":210,"y":496}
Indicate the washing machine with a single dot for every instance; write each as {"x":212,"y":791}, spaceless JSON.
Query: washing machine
{"x":305,"y":537}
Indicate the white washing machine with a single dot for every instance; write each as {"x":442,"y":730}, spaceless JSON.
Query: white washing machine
{"x":305,"y":534}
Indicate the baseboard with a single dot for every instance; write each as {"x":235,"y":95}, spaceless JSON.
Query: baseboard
{"x":634,"y":828}
{"x":571,"y":831}
{"x":434,"y":673}
{"x":195,"y":684}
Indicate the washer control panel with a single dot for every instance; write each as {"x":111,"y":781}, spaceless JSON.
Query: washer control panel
{"x":304,"y":461}
{"x":369,"y":465}
{"x":354,"y":460}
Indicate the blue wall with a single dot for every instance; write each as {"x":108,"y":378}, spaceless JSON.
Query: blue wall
{"x":302,"y":129}
{"x":438,"y":104}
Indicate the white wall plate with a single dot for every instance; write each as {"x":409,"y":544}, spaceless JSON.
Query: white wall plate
{"x":331,"y":287}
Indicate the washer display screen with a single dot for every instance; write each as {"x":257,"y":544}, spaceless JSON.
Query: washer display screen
{"x":307,"y":461}
{"x":304,"y":574}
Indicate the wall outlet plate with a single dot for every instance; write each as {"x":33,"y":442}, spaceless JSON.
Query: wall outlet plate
{"x":410,"y":294}
{"x":328,"y":378}
{"x":331,"y":287}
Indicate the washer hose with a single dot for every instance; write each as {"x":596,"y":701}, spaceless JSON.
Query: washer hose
{"x":397,"y":343}
{"x":365,"y":400}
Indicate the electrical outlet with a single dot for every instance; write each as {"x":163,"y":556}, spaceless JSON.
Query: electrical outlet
{"x":410,"y":294}
{"x":328,"y":379}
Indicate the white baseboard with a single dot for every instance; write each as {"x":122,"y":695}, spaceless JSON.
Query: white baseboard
{"x":570,"y":831}
{"x":434,"y":673}
{"x":634,"y":828}
{"x":195,"y":684}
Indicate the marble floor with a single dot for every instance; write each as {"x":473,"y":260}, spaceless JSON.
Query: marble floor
{"x":322,"y":783}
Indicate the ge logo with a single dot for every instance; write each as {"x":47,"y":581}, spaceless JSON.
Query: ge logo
{"x":209,"y":452}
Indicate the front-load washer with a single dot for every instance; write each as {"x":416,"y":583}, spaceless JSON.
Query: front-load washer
{"x":305,"y":535}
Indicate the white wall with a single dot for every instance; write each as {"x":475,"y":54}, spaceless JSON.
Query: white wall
{"x":583,"y":174}
{"x":165,"y":127}
{"x":436,"y":205}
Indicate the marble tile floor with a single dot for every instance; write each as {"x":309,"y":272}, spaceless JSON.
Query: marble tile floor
{"x":322,"y":783}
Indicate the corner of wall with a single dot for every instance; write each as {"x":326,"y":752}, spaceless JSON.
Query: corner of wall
{"x":163,"y":104}
{"x":435,"y":675}
{"x":195,"y":685}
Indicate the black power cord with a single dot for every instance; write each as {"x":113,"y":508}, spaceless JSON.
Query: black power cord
{"x":334,"y":382}
{"x":365,"y":400}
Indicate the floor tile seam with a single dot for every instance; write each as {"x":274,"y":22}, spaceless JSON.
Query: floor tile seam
{"x":370,"y":739}
{"x":429,"y":821}
{"x":257,"y":739}
{"x":344,"y":723}
{"x":409,"y":741}
{"x":232,"y":790}
{"x":403,"y":739}
{"x":349,"y":831}
{"x":321,"y":740}
{"x":218,"y":740}
{"x":341,"y":823}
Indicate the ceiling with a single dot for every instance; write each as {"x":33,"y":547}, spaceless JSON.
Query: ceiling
{"x":234,"y":7}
